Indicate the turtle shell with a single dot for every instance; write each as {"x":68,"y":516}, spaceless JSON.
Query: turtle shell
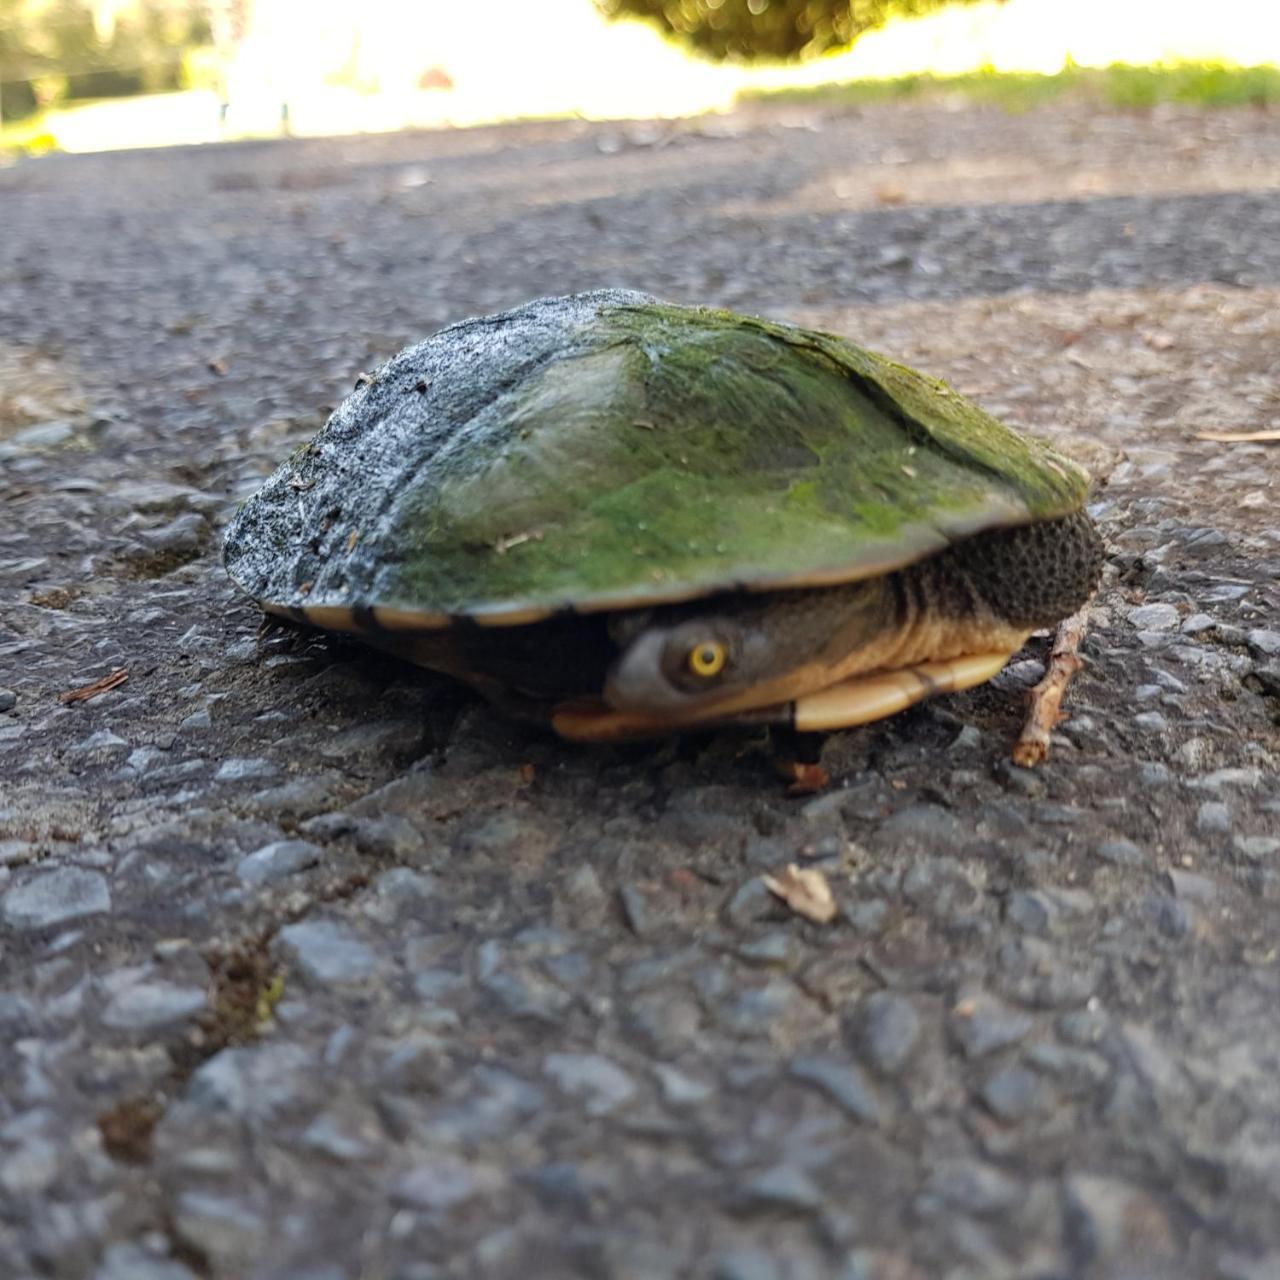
{"x":608,"y":450}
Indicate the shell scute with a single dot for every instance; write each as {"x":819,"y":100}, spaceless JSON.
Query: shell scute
{"x":607,"y":449}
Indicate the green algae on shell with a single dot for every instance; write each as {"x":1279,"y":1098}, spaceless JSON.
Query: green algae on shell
{"x":607,"y":450}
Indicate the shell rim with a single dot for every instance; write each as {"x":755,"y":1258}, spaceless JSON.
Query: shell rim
{"x":366,"y":616}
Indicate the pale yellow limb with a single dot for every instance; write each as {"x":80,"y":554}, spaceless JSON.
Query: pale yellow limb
{"x":855,"y":701}
{"x":872,"y":697}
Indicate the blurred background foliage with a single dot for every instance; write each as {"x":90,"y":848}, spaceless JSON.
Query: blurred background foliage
{"x":1205,"y":84}
{"x":51,"y":50}
{"x":774,"y":30}
{"x":84,"y":75}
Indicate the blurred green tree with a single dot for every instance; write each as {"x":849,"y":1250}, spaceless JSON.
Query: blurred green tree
{"x":751,"y":30}
{"x":54,"y":49}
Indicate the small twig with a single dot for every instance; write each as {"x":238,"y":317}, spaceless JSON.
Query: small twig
{"x":87,"y":691}
{"x":1238,"y":437}
{"x":1046,"y":698}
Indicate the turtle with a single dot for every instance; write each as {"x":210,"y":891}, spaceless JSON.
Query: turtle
{"x":623,"y":517}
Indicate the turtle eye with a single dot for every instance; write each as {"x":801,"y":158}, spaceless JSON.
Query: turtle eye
{"x":707,"y":659}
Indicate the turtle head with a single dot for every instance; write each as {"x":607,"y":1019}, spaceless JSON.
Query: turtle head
{"x":736,"y":649}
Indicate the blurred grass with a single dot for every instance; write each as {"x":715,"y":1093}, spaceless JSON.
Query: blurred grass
{"x":30,"y":137}
{"x":1121,"y":85}
{"x":1206,"y":84}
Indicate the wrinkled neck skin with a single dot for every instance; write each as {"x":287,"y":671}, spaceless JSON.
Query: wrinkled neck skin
{"x":984,"y":595}
{"x":788,"y":644}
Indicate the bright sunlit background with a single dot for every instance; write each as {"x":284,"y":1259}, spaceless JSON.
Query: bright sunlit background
{"x":343,"y":66}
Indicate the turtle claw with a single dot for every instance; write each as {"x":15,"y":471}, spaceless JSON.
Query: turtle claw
{"x":798,"y":760}
{"x":803,"y":779}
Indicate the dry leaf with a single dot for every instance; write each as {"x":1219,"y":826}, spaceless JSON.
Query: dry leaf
{"x":805,"y":891}
{"x":91,"y":690}
{"x":1238,"y":437}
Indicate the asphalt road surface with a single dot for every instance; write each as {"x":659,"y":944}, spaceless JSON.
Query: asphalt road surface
{"x":313,"y":967}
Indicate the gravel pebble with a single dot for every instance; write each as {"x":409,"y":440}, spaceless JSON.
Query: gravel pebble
{"x":1228,"y":777}
{"x":1106,"y":1217}
{"x":243,"y":770}
{"x":679,"y":1089}
{"x":98,"y":747}
{"x":1257,"y":848}
{"x":53,"y":897}
{"x":42,"y":435}
{"x":277,"y":860}
{"x":973,"y":1187}
{"x":14,"y":852}
{"x":1012,"y":1094}
{"x":1120,"y":851}
{"x":443,"y":1184}
{"x":1213,"y":818}
{"x":1151,"y":722}
{"x":1154,"y":617}
{"x":842,"y":1082}
{"x":981,"y":1024}
{"x":1078,"y":1072}
{"x":148,"y":1006}
{"x":1266,"y":643}
{"x":786,"y":1187}
{"x":1197,"y":623}
{"x":751,"y":902}
{"x":128,"y":1261}
{"x":598,"y":1081}
{"x":220,"y":1227}
{"x":30,"y":1168}
{"x":183,"y":535}
{"x":1154,"y":774}
{"x":327,"y":951}
{"x":923,"y":826}
{"x":744,"y":1262}
{"x":1020,"y":675}
{"x":389,"y":837}
{"x":887,"y":1027}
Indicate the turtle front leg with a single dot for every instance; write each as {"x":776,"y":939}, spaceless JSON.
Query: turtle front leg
{"x":855,"y":701}
{"x":797,"y":759}
{"x":863,"y":699}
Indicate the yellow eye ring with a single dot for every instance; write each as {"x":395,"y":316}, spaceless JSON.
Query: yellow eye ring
{"x":707,"y":659}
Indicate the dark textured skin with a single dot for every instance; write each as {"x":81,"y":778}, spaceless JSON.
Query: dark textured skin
{"x":1031,"y":576}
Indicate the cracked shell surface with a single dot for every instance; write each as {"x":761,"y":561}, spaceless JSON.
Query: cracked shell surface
{"x":606,"y":449}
